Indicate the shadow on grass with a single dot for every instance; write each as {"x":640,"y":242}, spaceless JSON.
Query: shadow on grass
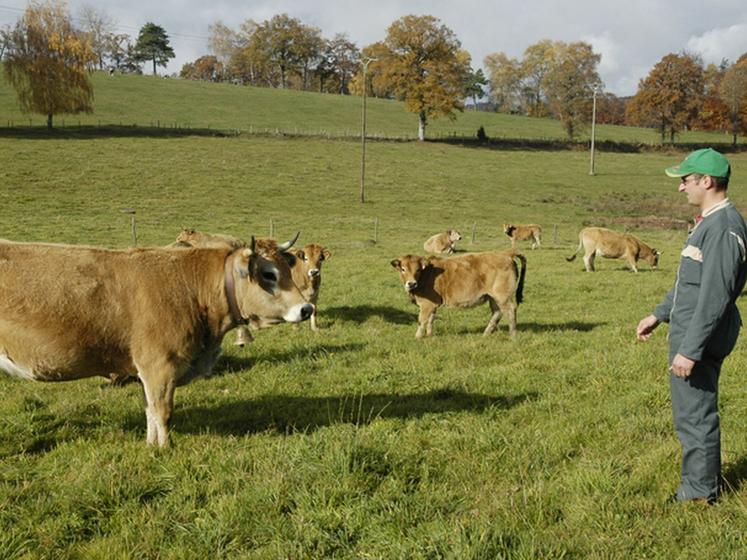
{"x":735,"y":475}
{"x":291,"y":414}
{"x":106,"y":131}
{"x":229,"y":363}
{"x":537,"y":327}
{"x":361,"y":313}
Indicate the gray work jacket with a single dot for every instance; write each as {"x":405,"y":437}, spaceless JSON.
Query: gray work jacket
{"x":701,"y":310}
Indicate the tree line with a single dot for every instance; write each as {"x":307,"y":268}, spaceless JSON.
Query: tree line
{"x":420,"y":62}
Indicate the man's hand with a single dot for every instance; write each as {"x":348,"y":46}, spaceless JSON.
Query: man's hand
{"x":646,"y":327}
{"x":682,"y":366}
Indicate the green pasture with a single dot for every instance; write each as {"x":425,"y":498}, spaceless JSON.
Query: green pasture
{"x":147,"y":101}
{"x":360,"y":441}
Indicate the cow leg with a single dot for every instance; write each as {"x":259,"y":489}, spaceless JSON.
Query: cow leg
{"x":633,"y":267}
{"x":312,"y":321}
{"x":510,"y":309}
{"x":425,"y":321}
{"x":429,"y":326}
{"x":589,"y":262}
{"x":159,"y":403}
{"x":494,"y":318}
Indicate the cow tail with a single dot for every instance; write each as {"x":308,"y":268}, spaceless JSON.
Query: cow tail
{"x":520,"y":287}
{"x":580,"y":244}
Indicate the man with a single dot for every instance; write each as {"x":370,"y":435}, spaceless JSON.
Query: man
{"x":703,"y":318}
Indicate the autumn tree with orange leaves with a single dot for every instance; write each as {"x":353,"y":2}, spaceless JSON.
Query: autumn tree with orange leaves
{"x":670,"y":97}
{"x":421,"y":61}
{"x":733,"y":93}
{"x":46,"y":62}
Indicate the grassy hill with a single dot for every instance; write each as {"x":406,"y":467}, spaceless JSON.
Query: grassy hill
{"x":153,"y":101}
{"x":360,"y":441}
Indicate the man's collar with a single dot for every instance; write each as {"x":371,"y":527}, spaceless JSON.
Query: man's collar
{"x":715,"y":208}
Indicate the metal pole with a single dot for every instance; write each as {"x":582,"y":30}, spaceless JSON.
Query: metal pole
{"x":366,"y":62}
{"x":593,"y":123}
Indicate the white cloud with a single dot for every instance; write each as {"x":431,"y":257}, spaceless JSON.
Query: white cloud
{"x":720,"y":43}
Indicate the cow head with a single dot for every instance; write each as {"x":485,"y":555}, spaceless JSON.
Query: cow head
{"x":508,"y":229}
{"x":653,"y":258}
{"x":311,"y":258}
{"x":454,"y":235}
{"x":264,"y":288}
{"x":409,"y":268}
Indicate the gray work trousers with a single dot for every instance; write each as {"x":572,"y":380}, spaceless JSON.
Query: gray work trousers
{"x":696,"y":420}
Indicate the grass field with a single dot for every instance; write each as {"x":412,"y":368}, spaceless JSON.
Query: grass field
{"x":360,"y":441}
{"x":152,"y":102}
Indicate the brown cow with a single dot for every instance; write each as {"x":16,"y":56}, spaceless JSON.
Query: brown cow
{"x":597,"y":241}
{"x":464,"y":281}
{"x":524,"y":233}
{"x":305,"y":266}
{"x":307,"y":273}
{"x":442,"y":242}
{"x":69,"y":312}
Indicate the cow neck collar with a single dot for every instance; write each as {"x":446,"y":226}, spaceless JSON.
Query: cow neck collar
{"x":233,"y":305}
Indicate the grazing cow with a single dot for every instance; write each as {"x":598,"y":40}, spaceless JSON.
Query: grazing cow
{"x":307,"y":273}
{"x":442,"y":242}
{"x":69,"y":312}
{"x":524,"y":233}
{"x":464,"y":281}
{"x":597,"y":241}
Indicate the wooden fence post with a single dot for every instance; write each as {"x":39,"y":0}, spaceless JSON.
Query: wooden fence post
{"x":272,"y":229}
{"x":555,"y":234}
{"x":474,"y":233}
{"x":376,"y":230}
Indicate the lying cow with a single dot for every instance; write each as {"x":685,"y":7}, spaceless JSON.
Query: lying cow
{"x":524,"y":233}
{"x":442,"y":242}
{"x":597,"y":241}
{"x":464,"y":281}
{"x":194,"y":238}
{"x":69,"y":312}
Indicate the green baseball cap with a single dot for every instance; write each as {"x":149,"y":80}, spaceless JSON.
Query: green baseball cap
{"x":703,"y":162}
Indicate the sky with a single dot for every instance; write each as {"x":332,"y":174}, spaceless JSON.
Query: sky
{"x":631,"y":35}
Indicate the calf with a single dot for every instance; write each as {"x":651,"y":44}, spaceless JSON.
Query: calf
{"x":524,"y":233}
{"x":464,"y":281}
{"x":442,"y":242}
{"x":307,"y":273}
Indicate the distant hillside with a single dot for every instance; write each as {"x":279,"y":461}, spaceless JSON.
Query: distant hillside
{"x":154,"y":101}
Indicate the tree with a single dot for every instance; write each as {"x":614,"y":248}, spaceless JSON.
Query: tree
{"x":204,"y":68}
{"x":425,"y":67}
{"x":153,"y":45}
{"x":46,"y":62}
{"x":343,"y":58}
{"x":98,"y":27}
{"x":117,"y":47}
{"x":610,"y":109}
{"x":474,"y":82}
{"x":670,"y":96}
{"x":733,"y":92}
{"x":538,"y":60}
{"x":4,"y":39}
{"x":505,"y":78}
{"x":223,"y":43}
{"x":570,"y":82}
{"x":713,"y":113}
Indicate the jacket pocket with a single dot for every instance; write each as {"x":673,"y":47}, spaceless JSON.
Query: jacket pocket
{"x":690,"y":270}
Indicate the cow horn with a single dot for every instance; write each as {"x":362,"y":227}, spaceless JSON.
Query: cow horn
{"x":288,"y":244}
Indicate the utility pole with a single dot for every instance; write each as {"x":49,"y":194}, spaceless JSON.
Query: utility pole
{"x":366,"y":62}
{"x":593,"y":123}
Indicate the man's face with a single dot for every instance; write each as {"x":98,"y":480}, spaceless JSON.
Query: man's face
{"x":692,"y":185}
